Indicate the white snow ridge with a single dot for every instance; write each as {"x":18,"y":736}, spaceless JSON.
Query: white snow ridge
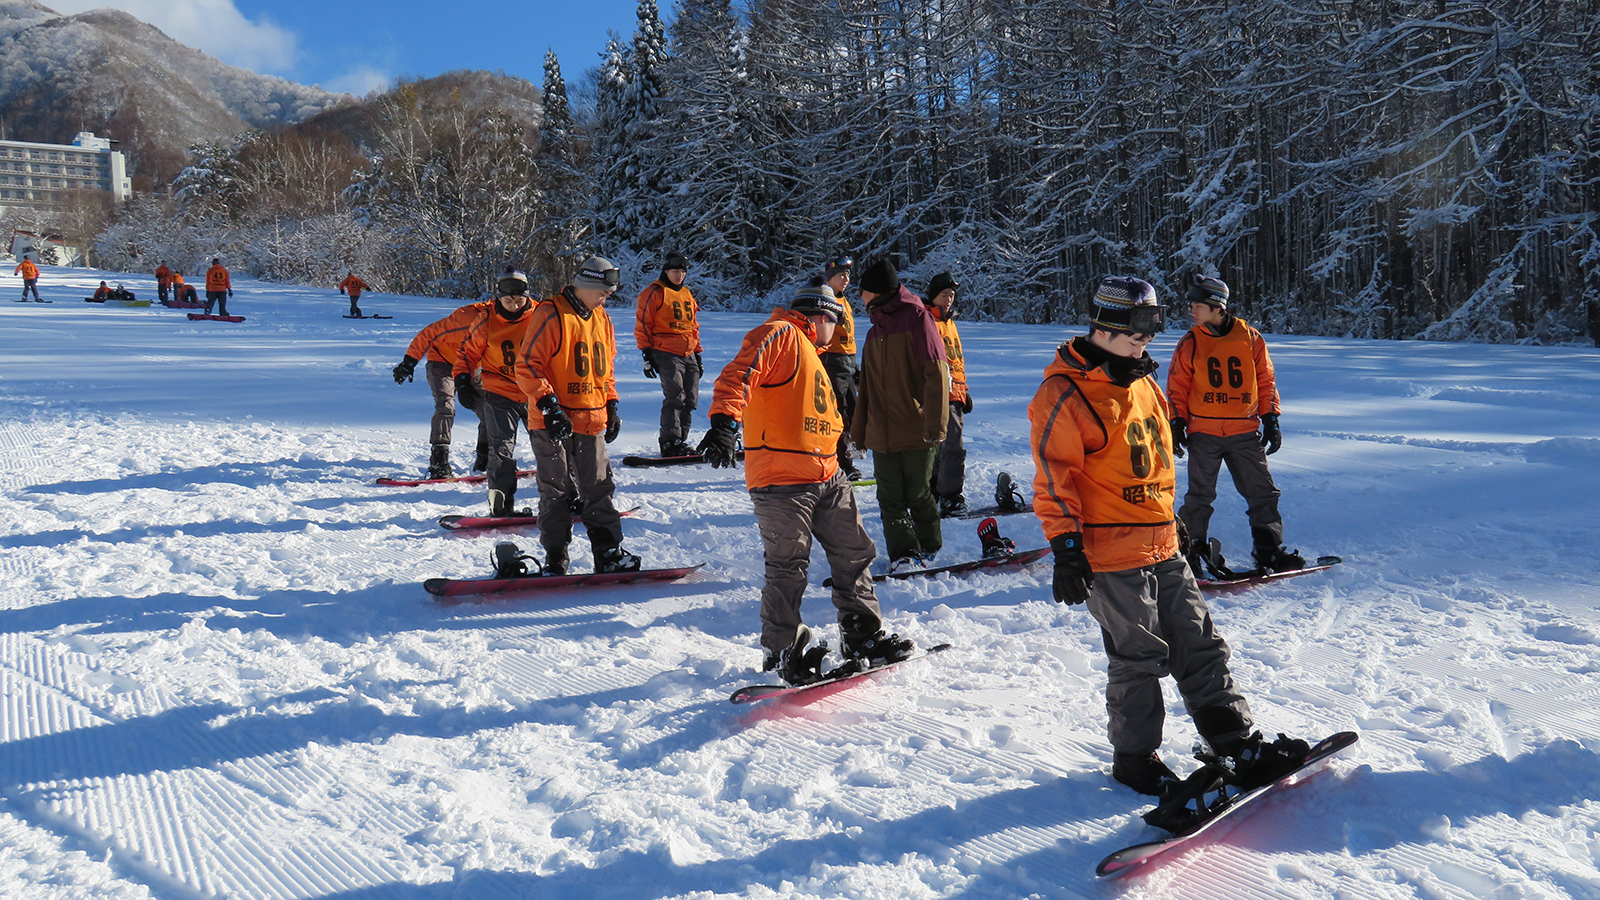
{"x":222,"y":678}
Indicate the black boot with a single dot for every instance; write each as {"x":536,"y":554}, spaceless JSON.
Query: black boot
{"x":1144,"y":772}
{"x":555,"y":562}
{"x":615,"y":559}
{"x":798,"y":664}
{"x":1270,"y":554}
{"x":1255,"y":762}
{"x":439,"y":462}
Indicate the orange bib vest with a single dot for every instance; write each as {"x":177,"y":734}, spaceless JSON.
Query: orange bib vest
{"x":578,"y":371}
{"x":1131,"y":479}
{"x":1224,"y":382}
{"x":783,"y":419}
{"x":499,"y":360}
{"x":958,"y":363}
{"x":844,"y":334}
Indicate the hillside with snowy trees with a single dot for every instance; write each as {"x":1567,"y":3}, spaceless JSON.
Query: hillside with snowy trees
{"x":1377,"y":169}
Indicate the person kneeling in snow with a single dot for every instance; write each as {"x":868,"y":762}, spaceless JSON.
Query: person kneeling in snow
{"x":1103,"y":491}
{"x":779,"y":388}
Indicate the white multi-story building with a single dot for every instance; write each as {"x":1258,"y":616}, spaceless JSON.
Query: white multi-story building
{"x":46,"y":174}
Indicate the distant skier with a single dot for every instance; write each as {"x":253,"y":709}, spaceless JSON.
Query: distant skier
{"x":777,"y":386}
{"x":564,"y":367}
{"x":218,"y":287}
{"x":183,"y":292}
{"x":1103,"y":491}
{"x":103,"y":292}
{"x":667,"y":331}
{"x":950,"y":461}
{"x":490,"y":348}
{"x":440,"y":343}
{"x":839,"y":358}
{"x":902,"y":412}
{"x":163,"y":281}
{"x":30,"y":278}
{"x":353,"y":286}
{"x":1225,"y":410}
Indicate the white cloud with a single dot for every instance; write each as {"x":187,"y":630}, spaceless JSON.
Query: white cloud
{"x":361,"y":81}
{"x":213,"y":26}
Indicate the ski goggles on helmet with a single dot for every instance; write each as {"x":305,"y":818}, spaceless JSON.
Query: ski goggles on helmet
{"x":597,"y":277}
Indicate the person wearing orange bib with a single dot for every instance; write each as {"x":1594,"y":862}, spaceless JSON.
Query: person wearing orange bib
{"x":839,"y":358}
{"x":565,"y":368}
{"x":440,"y":343}
{"x":30,"y":278}
{"x":163,"y":280}
{"x":218,"y":287}
{"x":353,"y":286}
{"x":950,"y":460}
{"x":778,"y":388}
{"x":1103,"y":492}
{"x":667,"y":330}
{"x":1225,"y":409}
{"x":489,"y":350}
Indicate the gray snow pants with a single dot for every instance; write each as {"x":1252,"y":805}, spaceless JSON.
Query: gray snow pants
{"x":502,"y":418}
{"x":789,"y":515}
{"x":680,"y":388}
{"x":1247,"y":463}
{"x":443,"y":387}
{"x":578,"y":464}
{"x":950,"y":462}
{"x":1155,"y":623}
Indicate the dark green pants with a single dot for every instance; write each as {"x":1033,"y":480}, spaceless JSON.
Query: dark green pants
{"x":910,"y":515}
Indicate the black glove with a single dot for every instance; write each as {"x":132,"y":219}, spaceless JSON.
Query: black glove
{"x":720,"y":446}
{"x":613,"y":421}
{"x":966,"y":404}
{"x":556,"y":423}
{"x":699,"y":364}
{"x":1184,"y":544}
{"x":1271,"y":434}
{"x":1180,"y":437}
{"x":1073,"y":578}
{"x":466,"y":394}
{"x":403,"y":372}
{"x":649,"y":363}
{"x":230,"y":293}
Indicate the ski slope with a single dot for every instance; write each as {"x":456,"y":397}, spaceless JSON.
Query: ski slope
{"x":222,"y":678}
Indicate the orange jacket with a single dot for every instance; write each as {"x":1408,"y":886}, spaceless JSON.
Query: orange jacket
{"x":568,"y":351}
{"x":27,"y":268}
{"x":354,"y":286}
{"x":777,"y":387}
{"x":491,"y":346}
{"x":103,"y":292}
{"x":952,"y":349}
{"x":844,"y":336}
{"x":666,"y":319}
{"x":163,"y":276}
{"x":1102,"y":464}
{"x":217,"y":279}
{"x":1237,"y":385}
{"x":442,"y":339}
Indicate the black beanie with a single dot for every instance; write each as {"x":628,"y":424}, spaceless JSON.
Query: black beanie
{"x":880,"y":278}
{"x":675,"y":260}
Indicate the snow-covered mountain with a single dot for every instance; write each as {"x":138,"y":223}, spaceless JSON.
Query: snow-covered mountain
{"x":108,"y":72}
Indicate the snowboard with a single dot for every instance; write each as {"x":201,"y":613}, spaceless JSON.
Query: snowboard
{"x":478,"y":523}
{"x":455,"y":479}
{"x":864,"y":482}
{"x":202,"y":317}
{"x":652,"y":462}
{"x":33,"y":301}
{"x":1251,"y":578}
{"x":847,"y":672}
{"x":182,"y":304}
{"x":986,"y":511}
{"x":1129,"y":858}
{"x":462,"y":587}
{"x":369,"y":317}
{"x":1020,"y":558}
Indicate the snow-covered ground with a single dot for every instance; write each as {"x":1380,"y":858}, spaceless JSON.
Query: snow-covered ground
{"x":221,"y":676}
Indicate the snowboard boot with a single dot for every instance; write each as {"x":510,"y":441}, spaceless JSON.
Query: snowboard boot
{"x":908,"y":563}
{"x":499,"y":503}
{"x":673,"y":448}
{"x":1270,"y":554}
{"x":1144,"y":772}
{"x":873,"y":648}
{"x":1007,"y":496}
{"x":555,"y":562}
{"x":798,"y":664}
{"x":993,"y":544}
{"x":439,"y":462}
{"x":1197,"y":556}
{"x":952,"y":505}
{"x":511,"y":562}
{"x":615,"y":559}
{"x":1255,"y":762}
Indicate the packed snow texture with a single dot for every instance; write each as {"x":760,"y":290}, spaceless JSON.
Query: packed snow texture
{"x":222,"y":678}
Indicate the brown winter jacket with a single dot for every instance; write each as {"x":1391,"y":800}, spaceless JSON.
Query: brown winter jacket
{"x":905,"y":378}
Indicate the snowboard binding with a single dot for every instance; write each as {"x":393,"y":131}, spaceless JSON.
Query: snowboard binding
{"x":1006,"y":495}
{"x":511,"y":562}
{"x":799,"y":664}
{"x":994,"y":545}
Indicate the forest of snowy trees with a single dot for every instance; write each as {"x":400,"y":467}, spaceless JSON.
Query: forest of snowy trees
{"x":1368,"y":167}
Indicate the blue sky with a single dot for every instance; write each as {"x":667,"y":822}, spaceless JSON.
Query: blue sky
{"x":359,"y":45}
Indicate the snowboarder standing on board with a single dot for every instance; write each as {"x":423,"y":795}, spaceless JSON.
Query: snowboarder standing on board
{"x":30,"y":278}
{"x":1103,"y":491}
{"x":667,"y":330}
{"x":950,"y":461}
{"x":353,"y":286}
{"x":1225,"y":409}
{"x":163,"y":281}
{"x":901,"y":413}
{"x":218,"y":287}
{"x":440,"y":343}
{"x":489,"y":350}
{"x":564,"y":367}
{"x":777,"y":387}
{"x":839,"y":358}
